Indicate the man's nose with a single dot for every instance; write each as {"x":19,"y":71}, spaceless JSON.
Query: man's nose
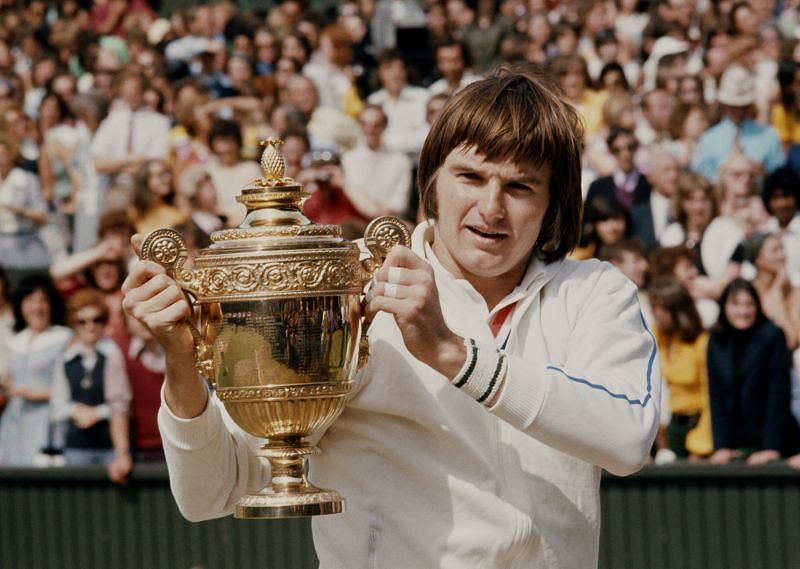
{"x":492,"y":206}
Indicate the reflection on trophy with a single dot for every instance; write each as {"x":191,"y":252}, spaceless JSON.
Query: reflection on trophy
{"x":278,"y":326}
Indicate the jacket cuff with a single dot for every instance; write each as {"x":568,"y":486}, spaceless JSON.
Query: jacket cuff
{"x":523,"y":393}
{"x":189,"y":434}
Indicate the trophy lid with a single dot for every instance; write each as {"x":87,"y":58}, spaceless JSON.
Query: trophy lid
{"x":275,"y":217}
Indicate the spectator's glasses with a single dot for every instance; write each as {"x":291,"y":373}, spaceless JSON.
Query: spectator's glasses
{"x":98,"y":320}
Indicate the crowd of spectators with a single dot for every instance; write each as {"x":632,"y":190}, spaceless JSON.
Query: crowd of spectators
{"x":122,"y":116}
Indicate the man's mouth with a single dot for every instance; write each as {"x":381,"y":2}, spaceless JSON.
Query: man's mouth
{"x":486,"y":233}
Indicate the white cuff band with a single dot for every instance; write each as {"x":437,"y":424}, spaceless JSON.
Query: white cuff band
{"x":482,"y":372}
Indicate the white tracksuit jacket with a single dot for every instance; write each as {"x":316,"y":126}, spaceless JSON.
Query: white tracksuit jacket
{"x":434,"y":479}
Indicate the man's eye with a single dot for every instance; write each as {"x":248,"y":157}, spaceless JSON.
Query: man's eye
{"x":469,"y":176}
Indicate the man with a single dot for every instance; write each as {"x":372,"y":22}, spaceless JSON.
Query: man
{"x":403,"y":104}
{"x":650,"y":217}
{"x":452,"y":61}
{"x":737,"y":130}
{"x":653,"y":125}
{"x":627,"y":185}
{"x":130,"y":135}
{"x":377,"y":181}
{"x":502,"y":378}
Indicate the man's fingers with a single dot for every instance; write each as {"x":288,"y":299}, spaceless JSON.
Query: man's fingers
{"x":136,"y":243}
{"x":141,"y":272}
{"x":160,"y":301}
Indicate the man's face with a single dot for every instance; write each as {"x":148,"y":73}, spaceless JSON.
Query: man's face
{"x":634,"y":266}
{"x":490,"y":216}
{"x":658,"y":109}
{"x":303,"y":95}
{"x":783,"y":206}
{"x":624,"y":148}
{"x":392,"y":75}
{"x":666,"y":172}
{"x":450,"y":62}
{"x":373,"y":123}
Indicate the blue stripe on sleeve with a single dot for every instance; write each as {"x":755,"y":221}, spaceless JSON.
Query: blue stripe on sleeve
{"x":642,"y":402}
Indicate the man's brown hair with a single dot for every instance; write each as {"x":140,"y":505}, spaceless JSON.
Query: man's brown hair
{"x":518,"y":115}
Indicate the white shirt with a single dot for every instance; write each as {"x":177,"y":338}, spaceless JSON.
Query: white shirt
{"x":143,"y":132}
{"x":407,"y":126}
{"x":382,"y":176}
{"x":442,"y":86}
{"x":661,"y":207}
{"x":229,"y":181}
{"x":790,"y":236}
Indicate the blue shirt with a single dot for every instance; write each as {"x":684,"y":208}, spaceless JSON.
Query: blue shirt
{"x":758,"y":142}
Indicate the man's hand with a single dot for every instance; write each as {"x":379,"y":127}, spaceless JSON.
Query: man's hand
{"x":763,"y":457}
{"x":119,"y":468}
{"x":723,"y":456}
{"x":406,"y":288}
{"x":156,"y":300}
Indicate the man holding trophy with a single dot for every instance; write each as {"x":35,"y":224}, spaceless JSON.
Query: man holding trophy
{"x":501,"y":377}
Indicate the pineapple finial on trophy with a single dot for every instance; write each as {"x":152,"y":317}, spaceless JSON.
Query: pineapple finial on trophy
{"x":273,"y":164}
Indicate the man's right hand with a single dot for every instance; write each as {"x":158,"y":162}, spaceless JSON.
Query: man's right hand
{"x":156,"y":300}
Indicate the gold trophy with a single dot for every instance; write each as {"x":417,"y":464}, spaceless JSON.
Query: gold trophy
{"x":278,"y":326}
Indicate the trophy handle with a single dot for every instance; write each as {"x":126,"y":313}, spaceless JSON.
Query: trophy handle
{"x":381,"y":236}
{"x":167,"y":248}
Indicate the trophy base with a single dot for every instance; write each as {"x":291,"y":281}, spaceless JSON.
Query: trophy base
{"x":269,"y":505}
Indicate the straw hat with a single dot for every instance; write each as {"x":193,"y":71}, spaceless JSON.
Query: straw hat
{"x":736,"y":88}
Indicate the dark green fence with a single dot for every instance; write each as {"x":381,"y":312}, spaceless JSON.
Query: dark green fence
{"x":683,"y":516}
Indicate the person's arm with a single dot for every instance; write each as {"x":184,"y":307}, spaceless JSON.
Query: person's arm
{"x":600,"y":405}
{"x":116,"y":164}
{"x":777,"y":376}
{"x":61,"y":406}
{"x":119,"y":468}
{"x":210,"y":460}
{"x":73,"y":264}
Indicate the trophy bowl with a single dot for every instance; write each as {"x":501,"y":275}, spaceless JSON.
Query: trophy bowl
{"x":277,"y":327}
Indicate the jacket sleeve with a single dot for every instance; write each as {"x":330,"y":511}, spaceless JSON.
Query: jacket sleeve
{"x":211,"y":462}
{"x":720,"y":395}
{"x":777,"y":415}
{"x":602,"y":404}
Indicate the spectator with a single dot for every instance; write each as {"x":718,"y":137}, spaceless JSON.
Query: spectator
{"x":607,"y":223}
{"x":330,"y":70}
{"x":452,"y":62}
{"x":687,"y":123}
{"x":785,"y":114}
{"x":377,"y":181}
{"x":127,"y":137}
{"x":651,"y":216}
{"x":573,"y":77}
{"x":781,"y":196}
{"x":737,"y":131}
{"x":682,"y":345}
{"x":629,"y":255}
{"x":626,"y":184}
{"x":6,"y":323}
{"x":33,"y":353}
{"x":403,"y":104}
{"x":155,"y":203}
{"x":228,"y":171}
{"x":198,"y":188}
{"x":738,"y":182}
{"x":91,"y":394}
{"x":145,"y":365}
{"x":749,"y":382}
{"x":779,"y":300}
{"x":22,"y":211}
{"x":715,"y":240}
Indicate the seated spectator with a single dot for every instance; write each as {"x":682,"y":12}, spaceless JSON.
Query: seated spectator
{"x":749,"y":382}
{"x":714,"y":240}
{"x":687,"y":123}
{"x":6,"y":320}
{"x":145,"y":364}
{"x":607,"y":223}
{"x":23,"y":211}
{"x":198,"y":188}
{"x":682,"y":345}
{"x":619,"y":112}
{"x":91,"y":394}
{"x":377,"y":181}
{"x":737,"y":130}
{"x":330,"y":70}
{"x":779,"y":299}
{"x":33,"y":354}
{"x":781,"y":196}
{"x":155,"y":202}
{"x":785,"y":114}
{"x":573,"y":77}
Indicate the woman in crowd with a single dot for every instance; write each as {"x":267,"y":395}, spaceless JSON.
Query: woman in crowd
{"x":682,"y":344}
{"x":779,"y":299}
{"x":155,"y":201}
{"x":25,"y":427}
{"x":91,"y":394}
{"x":23,"y":211}
{"x":607,"y":223}
{"x":714,"y":240}
{"x":749,"y":382}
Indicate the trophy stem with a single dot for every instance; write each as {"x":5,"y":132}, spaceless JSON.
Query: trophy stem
{"x":289,"y":493}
